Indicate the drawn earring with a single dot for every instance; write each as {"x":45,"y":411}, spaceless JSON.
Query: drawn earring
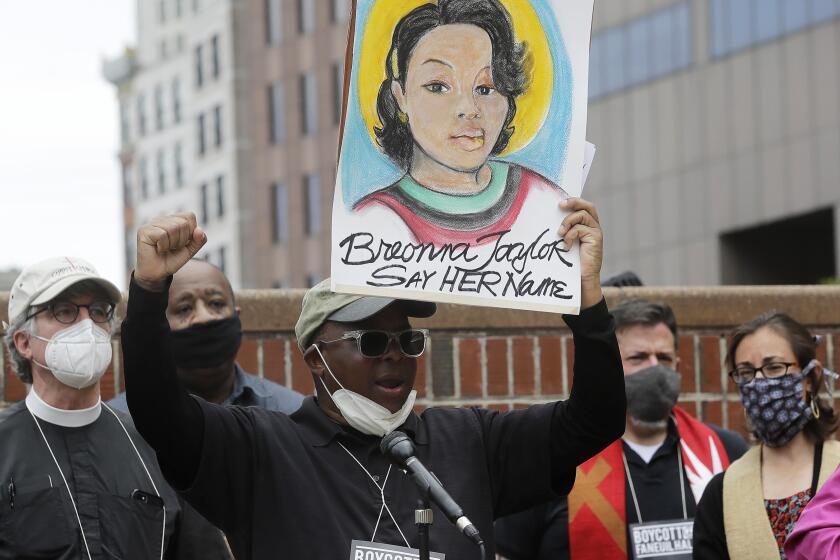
{"x":403,"y":117}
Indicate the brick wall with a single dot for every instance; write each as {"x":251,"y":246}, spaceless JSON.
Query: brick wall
{"x":507,"y":359}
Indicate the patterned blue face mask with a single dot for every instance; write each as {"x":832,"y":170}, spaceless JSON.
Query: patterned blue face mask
{"x":776,"y":408}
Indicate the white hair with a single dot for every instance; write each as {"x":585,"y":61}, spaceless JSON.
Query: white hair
{"x":20,"y":365}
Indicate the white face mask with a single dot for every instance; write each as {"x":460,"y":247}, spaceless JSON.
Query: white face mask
{"x":78,"y":355}
{"x":362,"y":413}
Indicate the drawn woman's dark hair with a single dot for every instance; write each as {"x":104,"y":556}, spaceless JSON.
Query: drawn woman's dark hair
{"x":508,"y":66}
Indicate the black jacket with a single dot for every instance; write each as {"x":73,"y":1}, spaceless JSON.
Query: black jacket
{"x":275,"y":483}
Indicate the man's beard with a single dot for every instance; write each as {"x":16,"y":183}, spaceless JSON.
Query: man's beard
{"x":651,"y":394}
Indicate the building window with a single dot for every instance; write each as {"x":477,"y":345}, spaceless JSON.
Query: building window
{"x":126,"y":185}
{"x":176,"y":100}
{"x":162,"y":11}
{"x":312,"y":279}
{"x":737,"y":25}
{"x":199,"y":68}
{"x":203,"y":204}
{"x":222,"y":260}
{"x":214,"y":56}
{"x":125,"y":125}
{"x":217,"y":126}
{"x":220,"y":196}
{"x":339,"y":11}
{"x":279,"y":213}
{"x":306,"y":16}
{"x":196,"y":6}
{"x":179,"y":8}
{"x":158,"y":107}
{"x":179,"y":165}
{"x":277,"y":113}
{"x":273,"y":21}
{"x":143,"y":170}
{"x":747,"y":258}
{"x":309,"y":103}
{"x":312,"y":203}
{"x":141,"y":115}
{"x":641,"y":50}
{"x":161,"y":172}
{"x":338,"y":97}
{"x":202,"y":141}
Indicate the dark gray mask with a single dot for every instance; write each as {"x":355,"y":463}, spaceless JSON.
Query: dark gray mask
{"x":652,"y":393}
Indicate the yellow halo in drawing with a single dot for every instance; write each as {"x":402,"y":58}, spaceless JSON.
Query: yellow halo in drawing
{"x":531,"y":107}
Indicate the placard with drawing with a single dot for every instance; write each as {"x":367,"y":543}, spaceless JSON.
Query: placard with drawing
{"x":464,"y":128}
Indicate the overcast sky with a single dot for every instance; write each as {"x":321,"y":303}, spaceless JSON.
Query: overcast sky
{"x":59,"y":177}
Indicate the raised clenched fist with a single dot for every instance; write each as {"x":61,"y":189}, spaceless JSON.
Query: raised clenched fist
{"x":165,"y":245}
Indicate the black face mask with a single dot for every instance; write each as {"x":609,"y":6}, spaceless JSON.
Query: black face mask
{"x":652,"y":393}
{"x":207,"y":345}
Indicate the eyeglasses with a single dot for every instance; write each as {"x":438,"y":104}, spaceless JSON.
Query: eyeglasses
{"x":66,"y":312}
{"x":745,"y":374}
{"x":374,"y":344}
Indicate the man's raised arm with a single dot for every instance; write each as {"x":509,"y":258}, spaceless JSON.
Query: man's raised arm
{"x":167,"y":417}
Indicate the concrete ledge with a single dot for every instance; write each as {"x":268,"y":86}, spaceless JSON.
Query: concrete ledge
{"x":695,"y":307}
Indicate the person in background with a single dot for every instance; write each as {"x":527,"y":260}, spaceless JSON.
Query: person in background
{"x":76,"y":479}
{"x":748,"y":511}
{"x":657,"y":470}
{"x":205,"y":336}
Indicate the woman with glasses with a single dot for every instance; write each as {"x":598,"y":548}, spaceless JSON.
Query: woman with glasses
{"x":748,"y":511}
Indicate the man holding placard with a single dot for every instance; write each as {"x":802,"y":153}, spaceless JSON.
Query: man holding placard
{"x":315,"y":484}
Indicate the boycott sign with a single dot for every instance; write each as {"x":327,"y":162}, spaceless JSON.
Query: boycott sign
{"x":664,"y":540}
{"x":364,"y":550}
{"x":463,"y":130}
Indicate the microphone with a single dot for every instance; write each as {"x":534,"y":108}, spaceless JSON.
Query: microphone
{"x":399,"y":449}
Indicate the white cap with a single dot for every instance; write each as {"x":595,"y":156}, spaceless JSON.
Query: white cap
{"x":41,"y":282}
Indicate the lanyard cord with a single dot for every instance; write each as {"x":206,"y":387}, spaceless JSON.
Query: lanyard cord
{"x":381,"y":494}
{"x":145,"y":468}
{"x":61,"y":472}
{"x":633,"y":488}
{"x":73,"y":500}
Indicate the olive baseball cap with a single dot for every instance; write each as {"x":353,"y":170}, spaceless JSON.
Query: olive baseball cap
{"x":41,"y":282}
{"x":321,"y":304}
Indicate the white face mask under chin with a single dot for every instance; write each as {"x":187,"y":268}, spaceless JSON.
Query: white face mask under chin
{"x":78,"y":355}
{"x":362,"y":413}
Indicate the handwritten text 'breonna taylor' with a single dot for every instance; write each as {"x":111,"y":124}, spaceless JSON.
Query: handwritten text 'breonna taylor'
{"x":506,"y":270}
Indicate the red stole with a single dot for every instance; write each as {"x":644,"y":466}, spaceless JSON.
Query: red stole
{"x":597,"y":509}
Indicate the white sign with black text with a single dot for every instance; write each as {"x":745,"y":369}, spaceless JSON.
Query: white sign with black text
{"x":364,"y":550}
{"x":663,"y":540}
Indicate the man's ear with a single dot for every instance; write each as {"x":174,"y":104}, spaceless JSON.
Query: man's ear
{"x":237,"y":310}
{"x":313,"y":360}
{"x":23,"y":344}
{"x":677,"y":363}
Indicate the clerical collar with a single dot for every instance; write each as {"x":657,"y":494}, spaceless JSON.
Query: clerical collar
{"x":61,"y":417}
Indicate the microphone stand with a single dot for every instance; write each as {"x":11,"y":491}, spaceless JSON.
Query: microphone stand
{"x":423,"y":518}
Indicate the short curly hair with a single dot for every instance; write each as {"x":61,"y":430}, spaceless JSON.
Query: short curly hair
{"x":509,"y":66}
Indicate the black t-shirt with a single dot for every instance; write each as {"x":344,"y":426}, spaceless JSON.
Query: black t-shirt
{"x":542,"y":533}
{"x":284,"y":484}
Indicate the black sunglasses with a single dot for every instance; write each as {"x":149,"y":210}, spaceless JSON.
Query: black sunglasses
{"x":374,"y":344}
